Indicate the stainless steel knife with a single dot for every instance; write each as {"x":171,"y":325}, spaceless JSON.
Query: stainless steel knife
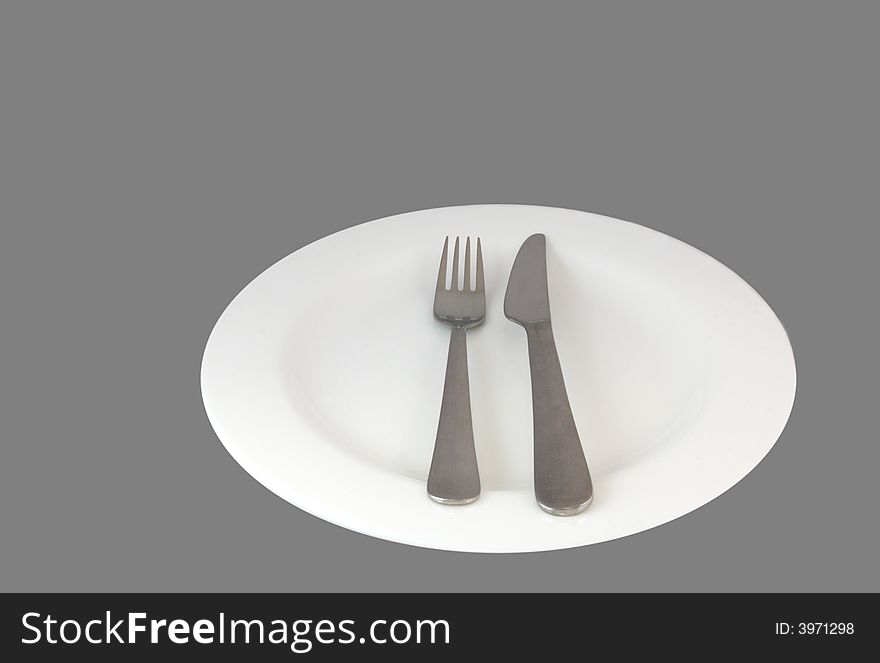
{"x":562,"y":479}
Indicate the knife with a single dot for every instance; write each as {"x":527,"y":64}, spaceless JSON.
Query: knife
{"x":562,"y":479}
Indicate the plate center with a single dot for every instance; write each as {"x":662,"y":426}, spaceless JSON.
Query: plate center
{"x":374,"y":382}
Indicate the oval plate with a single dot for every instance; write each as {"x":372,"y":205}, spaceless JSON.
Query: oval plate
{"x":323,"y":378}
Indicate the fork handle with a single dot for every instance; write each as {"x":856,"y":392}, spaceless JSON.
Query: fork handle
{"x":454,"y":477}
{"x":562,"y":479}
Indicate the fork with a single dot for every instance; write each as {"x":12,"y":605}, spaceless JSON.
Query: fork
{"x":454,"y":477}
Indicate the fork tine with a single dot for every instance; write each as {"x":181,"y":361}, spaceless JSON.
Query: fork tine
{"x":481,"y":286}
{"x":454,"y":284}
{"x":441,"y":276}
{"x":466,"y":286}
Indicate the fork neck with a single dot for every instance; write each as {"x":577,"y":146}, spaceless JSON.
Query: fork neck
{"x":459,"y":324}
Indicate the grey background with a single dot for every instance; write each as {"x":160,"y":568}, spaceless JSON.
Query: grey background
{"x":156,"y":156}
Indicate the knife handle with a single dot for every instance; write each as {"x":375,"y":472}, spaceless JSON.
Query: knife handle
{"x":562,"y":479}
{"x":454,"y":477}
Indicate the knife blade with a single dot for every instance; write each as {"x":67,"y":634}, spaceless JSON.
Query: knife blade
{"x":527,"y":299}
{"x":563,"y":486}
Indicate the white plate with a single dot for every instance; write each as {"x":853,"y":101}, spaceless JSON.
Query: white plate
{"x":323,"y":378}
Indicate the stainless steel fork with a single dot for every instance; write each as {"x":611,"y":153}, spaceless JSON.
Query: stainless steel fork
{"x":454,"y":477}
